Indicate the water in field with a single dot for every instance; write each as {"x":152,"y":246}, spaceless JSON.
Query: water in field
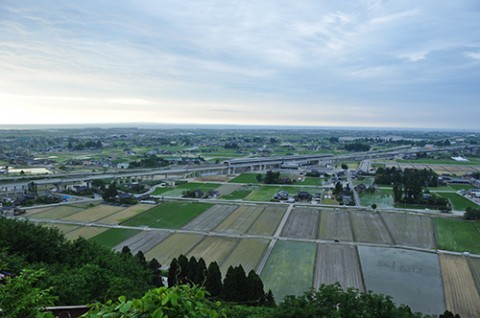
{"x":382,"y":200}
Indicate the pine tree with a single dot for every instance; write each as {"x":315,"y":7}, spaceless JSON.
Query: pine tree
{"x":192,"y":269}
{"x":256,"y":293}
{"x":173,"y":273}
{"x":213,"y":283}
{"x":269,"y":300}
{"x":242,"y":284}
{"x":183,"y":264}
{"x":230,"y":291}
{"x":141,"y":259}
{"x":126,"y":250}
{"x":200,"y":273}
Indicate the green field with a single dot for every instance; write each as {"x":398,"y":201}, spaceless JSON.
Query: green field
{"x":458,"y":202}
{"x":237,"y":194}
{"x":266,"y":193}
{"x":457,"y":235}
{"x":472,"y":161}
{"x":178,"y":190}
{"x":113,"y":237}
{"x":311,"y":181}
{"x":289,"y":269}
{"x":452,"y":187}
{"x":245,"y":178}
{"x":383,"y":199}
{"x":172,"y":215}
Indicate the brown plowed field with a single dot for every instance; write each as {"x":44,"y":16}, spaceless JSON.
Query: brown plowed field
{"x":211,"y":218}
{"x":338,"y":263}
{"x":240,"y":220}
{"x":173,"y":246}
{"x":214,"y":249}
{"x":93,"y":214}
{"x":267,"y":222}
{"x":410,"y":230}
{"x":461,"y":295}
{"x":368,"y":227}
{"x":335,"y":225}
{"x":143,"y":241}
{"x":85,"y":231}
{"x":126,"y":214}
{"x":302,"y":223}
{"x":475,"y":268}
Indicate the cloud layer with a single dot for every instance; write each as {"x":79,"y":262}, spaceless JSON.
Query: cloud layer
{"x":348,"y":63}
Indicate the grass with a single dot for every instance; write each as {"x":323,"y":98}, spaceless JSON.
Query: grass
{"x":113,"y":237}
{"x":245,"y":178}
{"x":289,"y":269}
{"x":472,"y":161}
{"x":172,"y":215}
{"x":381,"y":199}
{"x":311,"y":181}
{"x":264,"y":193}
{"x":178,"y":190}
{"x":457,"y":235}
{"x":237,"y":194}
{"x":458,"y":202}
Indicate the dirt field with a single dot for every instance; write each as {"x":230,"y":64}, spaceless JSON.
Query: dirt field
{"x":143,"y":241}
{"x":214,"y":249}
{"x":338,"y":263}
{"x":33,"y":212}
{"x":85,"y":231}
{"x":410,"y":277}
{"x":410,"y":230}
{"x":368,"y":227}
{"x":335,"y":225}
{"x":126,"y":214}
{"x":173,"y":246}
{"x":64,"y":228}
{"x":475,"y":269}
{"x":240,"y":220}
{"x":268,"y":221}
{"x":302,"y":223}
{"x":211,"y":218}
{"x":58,"y":212}
{"x":248,"y":252}
{"x":461,"y":294}
{"x":95,"y":213}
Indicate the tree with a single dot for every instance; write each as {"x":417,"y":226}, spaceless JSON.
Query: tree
{"x":256,"y":293}
{"x":230,"y":292}
{"x":192,"y":270}
{"x":213,"y":283}
{"x":472,"y":214}
{"x":155,"y":266}
{"x":200,"y":273}
{"x":126,"y":250}
{"x":173,"y":273}
{"x":141,"y":259}
{"x":269,"y":300}
{"x":110,"y":193}
{"x":259,"y":177}
{"x":183,"y":265}
{"x":344,"y":166}
{"x":374,"y":206}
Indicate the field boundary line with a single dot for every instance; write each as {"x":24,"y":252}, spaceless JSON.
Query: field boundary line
{"x":230,"y":252}
{"x":266,"y":256}
{"x":352,"y":225}
{"x":387,"y":228}
{"x":359,"y":262}
{"x":283,"y":222}
{"x":254,"y":221}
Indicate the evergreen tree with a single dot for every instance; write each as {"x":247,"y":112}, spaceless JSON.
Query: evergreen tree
{"x":183,"y":265}
{"x":200,"y":273}
{"x":141,"y":259}
{"x":173,"y":273}
{"x":213,"y":283}
{"x":154,"y":266}
{"x":126,"y":250}
{"x":192,"y":270}
{"x":256,"y":293}
{"x":242,"y":284}
{"x":230,"y":291}
{"x":269,"y":300}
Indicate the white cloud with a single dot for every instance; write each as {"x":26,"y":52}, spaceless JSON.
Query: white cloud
{"x":473,"y":55}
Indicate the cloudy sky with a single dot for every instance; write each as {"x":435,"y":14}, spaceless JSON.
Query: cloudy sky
{"x":318,"y":63}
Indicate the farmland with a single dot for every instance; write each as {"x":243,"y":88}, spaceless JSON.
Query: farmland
{"x":227,"y":189}
{"x":369,"y":228}
{"x":213,"y":249}
{"x":383,"y":199}
{"x":58,"y":212}
{"x":125,"y":214}
{"x":338,"y":263}
{"x":410,"y":230}
{"x":238,"y":194}
{"x":302,"y":223}
{"x":240,"y":220}
{"x":173,"y":246}
{"x":458,"y":202}
{"x":112,"y":237}
{"x":461,"y":295}
{"x":268,"y":221}
{"x":245,"y":178}
{"x":410,"y":277}
{"x":457,"y":235}
{"x":335,"y":225}
{"x":211,"y":218}
{"x":263,"y":193}
{"x":93,"y":214}
{"x":143,"y":241}
{"x":169,"y":215}
{"x":285,"y":277}
{"x":475,"y":269}
{"x":85,"y":231}
{"x":248,"y":252}
{"x":64,"y":228}
{"x":178,"y":190}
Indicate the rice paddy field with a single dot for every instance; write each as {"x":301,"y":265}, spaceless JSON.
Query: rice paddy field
{"x":383,"y":199}
{"x":126,"y":214}
{"x":458,"y":202}
{"x":475,"y":269}
{"x":178,"y":190}
{"x":368,"y":227}
{"x":171,"y":215}
{"x":227,"y":189}
{"x":267,"y":222}
{"x":240,"y":220}
{"x":173,"y":246}
{"x":142,"y":241}
{"x":211,"y":218}
{"x":245,"y":178}
{"x":335,"y":225}
{"x":302,"y":223}
{"x":410,"y":229}
{"x":93,"y":214}
{"x":338,"y":263}
{"x":85,"y":231}
{"x":112,"y":237}
{"x":461,"y":295}
{"x":239,"y":194}
{"x":214,"y":249}
{"x":248,"y":253}
{"x":57,"y":212}
{"x":457,"y":235}
{"x":286,"y":277}
{"x":410,"y":277}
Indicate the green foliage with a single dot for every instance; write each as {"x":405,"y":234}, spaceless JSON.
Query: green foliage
{"x":178,"y":301}
{"x":150,"y":161}
{"x":472,"y":214}
{"x":357,"y":147}
{"x":19,"y":296}
{"x":213,"y":283}
{"x":110,"y":193}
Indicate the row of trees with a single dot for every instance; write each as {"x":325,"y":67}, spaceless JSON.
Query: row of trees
{"x":273,"y":178}
{"x":409,"y":177}
{"x":236,"y":287}
{"x":151,"y":161}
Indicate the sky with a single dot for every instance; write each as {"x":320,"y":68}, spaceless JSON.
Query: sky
{"x":361,"y":63}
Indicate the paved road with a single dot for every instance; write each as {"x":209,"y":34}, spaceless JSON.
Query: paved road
{"x":352,"y":187}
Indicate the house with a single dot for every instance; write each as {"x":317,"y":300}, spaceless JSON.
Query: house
{"x":123,"y":165}
{"x":304,"y":196}
{"x":213,"y":194}
{"x":361,"y":188}
{"x":281,"y":195}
